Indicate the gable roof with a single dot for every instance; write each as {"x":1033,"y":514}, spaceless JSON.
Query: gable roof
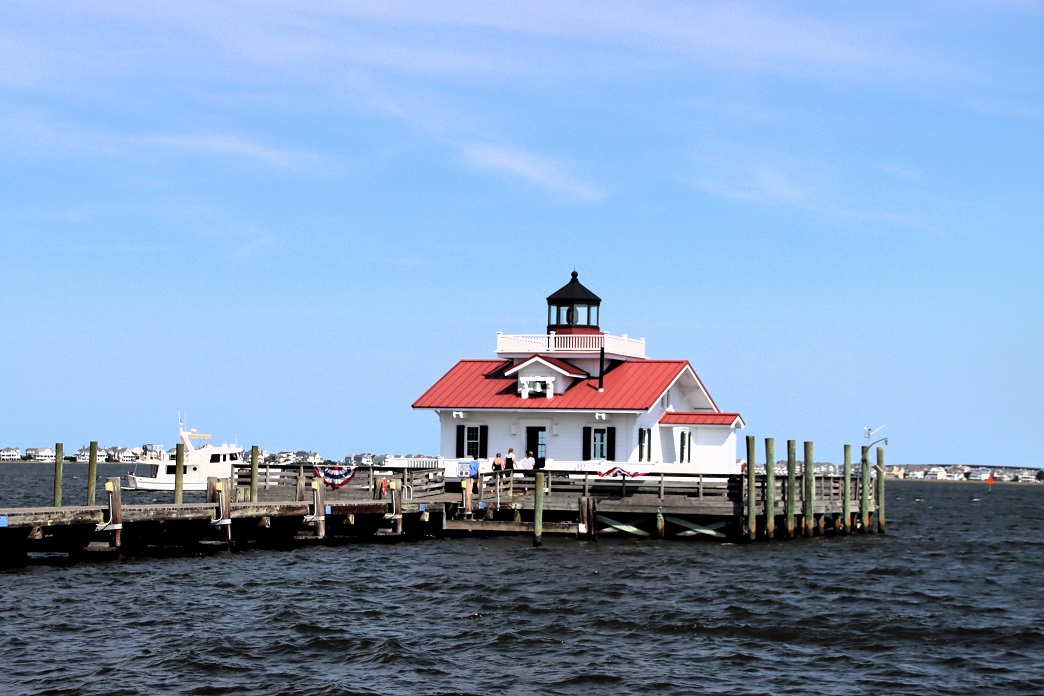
{"x":701,"y":418}
{"x":560,"y":366}
{"x":630,"y":385}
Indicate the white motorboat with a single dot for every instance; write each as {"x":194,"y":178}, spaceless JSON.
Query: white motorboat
{"x":201,"y":463}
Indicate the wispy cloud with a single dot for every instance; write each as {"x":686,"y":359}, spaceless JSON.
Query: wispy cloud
{"x":232,"y":146}
{"x":535,"y":169}
{"x":37,"y":131}
{"x":764,"y":183}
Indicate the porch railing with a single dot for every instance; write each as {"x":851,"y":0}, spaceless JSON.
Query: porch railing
{"x":570,"y":343}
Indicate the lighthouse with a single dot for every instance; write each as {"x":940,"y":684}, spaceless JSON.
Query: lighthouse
{"x":581,"y":399}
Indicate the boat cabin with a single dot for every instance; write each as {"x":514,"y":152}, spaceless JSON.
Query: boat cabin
{"x":201,"y":462}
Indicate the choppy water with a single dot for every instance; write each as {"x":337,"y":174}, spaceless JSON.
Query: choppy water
{"x":948,"y":602}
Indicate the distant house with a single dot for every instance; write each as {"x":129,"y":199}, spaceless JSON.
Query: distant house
{"x":153,"y":452}
{"x":83,"y":455}
{"x":125,"y":455}
{"x":303,"y":457}
{"x":10,"y":454}
{"x":285,"y":458}
{"x":936,"y":473}
{"x":262,"y":456}
{"x":40,"y":454}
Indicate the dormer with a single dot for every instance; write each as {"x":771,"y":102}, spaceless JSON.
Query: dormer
{"x":573,"y":309}
{"x":544,"y":376}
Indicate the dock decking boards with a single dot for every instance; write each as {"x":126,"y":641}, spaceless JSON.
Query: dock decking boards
{"x":296,"y":507}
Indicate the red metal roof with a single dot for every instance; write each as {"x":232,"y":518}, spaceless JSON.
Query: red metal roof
{"x":699,"y":418}
{"x":631,"y":385}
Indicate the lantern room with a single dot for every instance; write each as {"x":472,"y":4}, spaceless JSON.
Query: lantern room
{"x":573,"y":309}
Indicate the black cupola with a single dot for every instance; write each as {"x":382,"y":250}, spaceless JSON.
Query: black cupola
{"x":573,"y":309}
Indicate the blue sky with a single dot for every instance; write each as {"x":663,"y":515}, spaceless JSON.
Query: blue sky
{"x":287,"y":219}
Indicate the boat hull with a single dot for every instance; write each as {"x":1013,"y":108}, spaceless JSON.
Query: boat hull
{"x":142,"y":483}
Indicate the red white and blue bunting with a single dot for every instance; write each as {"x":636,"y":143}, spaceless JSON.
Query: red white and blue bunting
{"x":335,"y":476}
{"x":620,"y":471}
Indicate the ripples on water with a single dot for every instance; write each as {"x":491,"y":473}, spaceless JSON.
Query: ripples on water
{"x":947,"y":602}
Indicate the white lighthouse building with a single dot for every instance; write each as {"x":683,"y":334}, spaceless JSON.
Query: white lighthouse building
{"x":581,"y":399}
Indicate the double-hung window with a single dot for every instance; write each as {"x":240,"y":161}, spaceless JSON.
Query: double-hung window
{"x":685,"y":447}
{"x":645,"y":444}
{"x":472,"y":441}
{"x":599,"y":443}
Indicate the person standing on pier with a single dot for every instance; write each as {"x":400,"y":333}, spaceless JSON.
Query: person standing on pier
{"x":498,"y":472}
{"x":509,"y":460}
{"x":529,"y":462}
{"x":471,"y":482}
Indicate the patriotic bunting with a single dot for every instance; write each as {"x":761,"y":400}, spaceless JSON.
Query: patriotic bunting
{"x":619,"y":471}
{"x":335,"y":476}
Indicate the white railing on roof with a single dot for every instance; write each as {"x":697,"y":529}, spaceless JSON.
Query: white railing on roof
{"x":570,"y":343}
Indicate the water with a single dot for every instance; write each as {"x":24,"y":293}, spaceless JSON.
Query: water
{"x":948,"y":602}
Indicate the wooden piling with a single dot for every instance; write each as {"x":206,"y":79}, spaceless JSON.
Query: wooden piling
{"x":253,"y":473}
{"x":538,"y":508}
{"x":592,"y":517}
{"x":846,"y":492}
{"x":864,"y":491}
{"x":581,"y":516}
{"x":226,"y":489}
{"x":300,"y":483}
{"x":791,"y":503}
{"x":92,"y":472}
{"x":112,"y":488}
{"x":320,"y":510}
{"x":880,"y":491}
{"x":218,"y":492}
{"x":752,"y":509}
{"x":770,"y":488}
{"x":808,"y":509}
{"x":179,"y":473}
{"x":59,"y":461}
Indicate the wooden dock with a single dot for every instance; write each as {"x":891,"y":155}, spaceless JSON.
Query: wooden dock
{"x":286,"y":507}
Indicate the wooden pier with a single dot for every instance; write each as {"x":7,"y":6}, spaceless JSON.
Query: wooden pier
{"x":269,"y":507}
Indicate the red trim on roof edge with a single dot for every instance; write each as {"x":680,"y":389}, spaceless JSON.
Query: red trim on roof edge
{"x":700,"y":418}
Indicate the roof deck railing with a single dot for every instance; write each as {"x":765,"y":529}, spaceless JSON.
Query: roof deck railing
{"x":570,"y":343}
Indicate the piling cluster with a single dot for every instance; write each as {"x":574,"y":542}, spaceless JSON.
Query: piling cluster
{"x":764,"y":497}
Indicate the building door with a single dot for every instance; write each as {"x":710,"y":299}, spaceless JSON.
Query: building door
{"x":536,"y":442}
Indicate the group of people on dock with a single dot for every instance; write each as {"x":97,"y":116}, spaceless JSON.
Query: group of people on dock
{"x":508,"y":463}
{"x":500,"y":463}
